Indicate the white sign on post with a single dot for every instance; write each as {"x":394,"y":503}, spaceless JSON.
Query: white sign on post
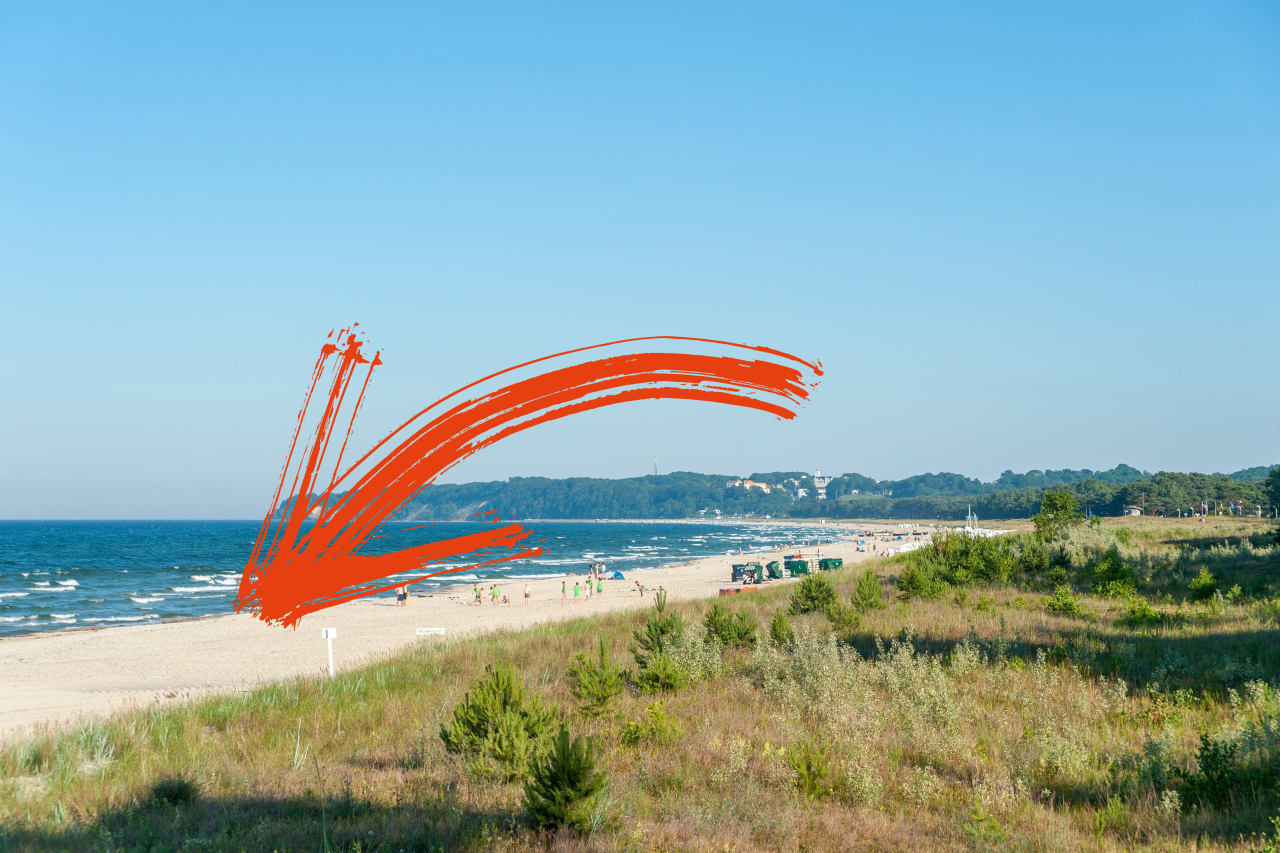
{"x":329,"y":634}
{"x":426,"y":632}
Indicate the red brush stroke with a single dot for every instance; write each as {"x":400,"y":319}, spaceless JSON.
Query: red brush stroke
{"x":293,"y":571}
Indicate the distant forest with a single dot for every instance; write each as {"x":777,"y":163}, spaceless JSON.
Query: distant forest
{"x":946,"y":496}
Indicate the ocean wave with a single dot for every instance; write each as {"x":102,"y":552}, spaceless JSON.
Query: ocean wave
{"x":192,"y":588}
{"x":63,"y":615}
{"x":121,"y":618}
{"x":533,"y":577}
{"x":14,"y":594}
{"x":15,"y":618}
{"x":150,"y":600}
{"x":68,"y":583}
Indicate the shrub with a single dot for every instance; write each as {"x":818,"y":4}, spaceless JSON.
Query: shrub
{"x":780,"y":630}
{"x":1111,"y":576}
{"x":1116,"y":589}
{"x":661,"y":675}
{"x":499,"y":721}
{"x":596,"y":682}
{"x":1203,"y":585}
{"x":1064,"y":602}
{"x":866,"y":596}
{"x":814,"y":595}
{"x":843,"y":617}
{"x":1035,"y":558}
{"x":658,"y":728}
{"x":174,"y":791}
{"x":658,"y":633}
{"x":919,"y":581}
{"x":809,"y":763}
{"x":559,"y":787}
{"x":1140,"y":612}
{"x":737,"y":630}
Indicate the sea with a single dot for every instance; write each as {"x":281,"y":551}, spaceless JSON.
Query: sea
{"x":65,"y":575}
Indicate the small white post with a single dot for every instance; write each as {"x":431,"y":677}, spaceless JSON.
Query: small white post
{"x":329,"y":634}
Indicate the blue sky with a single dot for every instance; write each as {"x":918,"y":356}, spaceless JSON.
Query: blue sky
{"x":1017,"y":237}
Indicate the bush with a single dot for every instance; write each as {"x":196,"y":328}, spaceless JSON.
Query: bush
{"x":1115,"y":589}
{"x":843,"y":618}
{"x":737,"y":630}
{"x":814,"y":595}
{"x":1035,"y":558}
{"x":596,"y":682}
{"x":659,"y":631}
{"x":809,"y":763}
{"x":1064,"y":602}
{"x":1203,"y":585}
{"x":661,"y":675}
{"x":919,"y":581}
{"x":499,"y":721}
{"x":1140,"y":612}
{"x":958,"y":559}
{"x":866,"y":596}
{"x":1111,"y":576}
{"x":174,"y":791}
{"x":658,"y":728}
{"x":559,"y":787}
{"x":780,"y":630}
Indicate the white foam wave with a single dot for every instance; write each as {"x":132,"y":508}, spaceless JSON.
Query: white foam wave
{"x":149,"y":600}
{"x":68,"y":583}
{"x":14,"y":594}
{"x":122,"y":618}
{"x":63,"y":615}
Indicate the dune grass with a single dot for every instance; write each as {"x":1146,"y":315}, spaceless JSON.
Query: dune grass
{"x":976,"y":720}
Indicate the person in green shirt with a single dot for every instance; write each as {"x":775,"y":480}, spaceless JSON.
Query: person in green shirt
{"x":599,"y":587}
{"x":577,"y":589}
{"x":564,"y":592}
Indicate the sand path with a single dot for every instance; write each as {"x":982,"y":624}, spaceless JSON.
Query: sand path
{"x":63,"y":676}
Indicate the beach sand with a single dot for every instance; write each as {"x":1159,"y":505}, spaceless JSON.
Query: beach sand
{"x":62,"y":677}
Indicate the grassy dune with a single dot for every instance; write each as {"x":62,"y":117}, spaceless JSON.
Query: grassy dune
{"x":974,"y":720}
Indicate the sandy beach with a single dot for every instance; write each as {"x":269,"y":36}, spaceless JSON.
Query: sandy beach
{"x":64,"y":676}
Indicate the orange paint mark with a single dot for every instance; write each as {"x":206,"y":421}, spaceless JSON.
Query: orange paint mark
{"x":294,"y":569}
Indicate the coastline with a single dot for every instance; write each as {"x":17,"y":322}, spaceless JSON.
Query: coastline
{"x":60,"y":677}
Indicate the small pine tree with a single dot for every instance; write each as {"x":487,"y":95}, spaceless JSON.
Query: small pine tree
{"x":660,"y":674}
{"x":596,"y":682}
{"x":559,"y":787}
{"x":730,"y":629}
{"x":658,"y":633}
{"x":814,"y":594}
{"x":499,"y":720}
{"x":810,"y":765}
{"x":780,"y":630}
{"x":866,"y":596}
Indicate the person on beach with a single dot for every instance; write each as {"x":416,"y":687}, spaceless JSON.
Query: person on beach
{"x":495,"y":595}
{"x":577,"y":590}
{"x":564,"y":594}
{"x":400,"y":596}
{"x":588,"y":591}
{"x":526,"y":595}
{"x":478,"y":594}
{"x":599,"y":587}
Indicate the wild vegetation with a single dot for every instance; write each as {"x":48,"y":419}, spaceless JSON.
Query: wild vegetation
{"x":1083,"y":688}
